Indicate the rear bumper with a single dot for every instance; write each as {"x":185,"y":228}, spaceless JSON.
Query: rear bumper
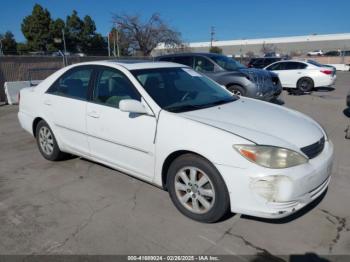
{"x":277,"y":193}
{"x":326,"y":81}
{"x":26,"y":121}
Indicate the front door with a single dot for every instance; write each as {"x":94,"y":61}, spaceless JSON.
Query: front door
{"x":121,"y":139}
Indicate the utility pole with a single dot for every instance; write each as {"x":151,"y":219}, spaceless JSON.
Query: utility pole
{"x":1,"y":52}
{"x":114,"y":51}
{"x":118,"y":51}
{"x":212,"y":34}
{"x":64,"y":47}
{"x":117,"y":36}
{"x":109,"y":44}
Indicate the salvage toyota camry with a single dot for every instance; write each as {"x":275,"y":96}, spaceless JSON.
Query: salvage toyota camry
{"x":164,"y":123}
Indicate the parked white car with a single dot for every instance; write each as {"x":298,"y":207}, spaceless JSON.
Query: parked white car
{"x":315,"y":53}
{"x":171,"y":126}
{"x":302,"y":75}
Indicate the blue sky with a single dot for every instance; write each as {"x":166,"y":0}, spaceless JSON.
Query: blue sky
{"x":193,"y":18}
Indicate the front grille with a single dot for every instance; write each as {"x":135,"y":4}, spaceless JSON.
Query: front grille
{"x":315,"y":149}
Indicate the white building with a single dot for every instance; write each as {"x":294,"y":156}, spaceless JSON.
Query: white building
{"x":285,"y":45}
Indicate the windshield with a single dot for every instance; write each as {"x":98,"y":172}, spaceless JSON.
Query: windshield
{"x":227,"y":63}
{"x":181,"y":89}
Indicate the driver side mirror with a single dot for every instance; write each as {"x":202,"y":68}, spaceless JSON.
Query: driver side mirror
{"x":132,"y":106}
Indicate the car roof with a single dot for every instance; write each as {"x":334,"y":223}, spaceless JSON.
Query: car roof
{"x":191,"y":54}
{"x":291,"y":60}
{"x":133,"y":64}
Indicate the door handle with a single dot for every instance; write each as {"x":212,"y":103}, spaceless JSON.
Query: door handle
{"x":47,"y":102}
{"x":93,"y":114}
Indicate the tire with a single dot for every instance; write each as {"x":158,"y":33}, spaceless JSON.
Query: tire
{"x":305,"y":85}
{"x":47,"y":143}
{"x":236,"y":90}
{"x":204,"y":198}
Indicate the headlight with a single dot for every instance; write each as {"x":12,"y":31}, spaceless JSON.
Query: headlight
{"x":270,"y":156}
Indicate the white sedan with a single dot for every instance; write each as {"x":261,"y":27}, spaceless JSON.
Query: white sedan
{"x":315,"y":53}
{"x":171,"y":126}
{"x":303,"y":75}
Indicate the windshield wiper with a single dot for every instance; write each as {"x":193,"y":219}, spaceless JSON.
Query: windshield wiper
{"x":220,"y":102}
{"x":183,"y":108}
{"x":190,"y":107}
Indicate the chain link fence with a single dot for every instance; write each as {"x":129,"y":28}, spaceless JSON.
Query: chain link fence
{"x":22,"y":68}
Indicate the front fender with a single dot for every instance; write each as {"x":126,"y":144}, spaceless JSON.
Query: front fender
{"x":176,"y":133}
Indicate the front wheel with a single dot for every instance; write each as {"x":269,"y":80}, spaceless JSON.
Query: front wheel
{"x":236,"y":90}
{"x":197,"y":189}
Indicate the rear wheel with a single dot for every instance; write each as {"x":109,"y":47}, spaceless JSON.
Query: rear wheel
{"x":236,"y":90}
{"x":197,"y":189}
{"x":47,"y":143}
{"x":305,"y":85}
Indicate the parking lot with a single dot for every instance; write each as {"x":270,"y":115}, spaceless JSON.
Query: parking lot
{"x":80,"y":207}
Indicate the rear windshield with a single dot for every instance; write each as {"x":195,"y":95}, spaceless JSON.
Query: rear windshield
{"x":315,"y":63}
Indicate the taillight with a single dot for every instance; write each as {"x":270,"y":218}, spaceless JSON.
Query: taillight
{"x":327,"y":72}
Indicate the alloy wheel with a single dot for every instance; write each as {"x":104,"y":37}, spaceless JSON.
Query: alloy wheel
{"x":194,"y":190}
{"x":46,"y":140}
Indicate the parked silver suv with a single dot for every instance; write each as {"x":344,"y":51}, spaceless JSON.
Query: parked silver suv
{"x":238,"y":79}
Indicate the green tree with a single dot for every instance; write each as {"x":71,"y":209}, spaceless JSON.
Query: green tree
{"x":91,"y":43}
{"x":74,"y":28}
{"x":9,"y":44}
{"x":22,"y":48}
{"x":56,"y":28}
{"x":36,"y":29}
{"x":215,"y":49}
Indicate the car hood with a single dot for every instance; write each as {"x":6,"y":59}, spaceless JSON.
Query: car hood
{"x":260,"y":122}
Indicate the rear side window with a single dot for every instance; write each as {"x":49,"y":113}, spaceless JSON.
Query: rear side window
{"x":112,"y":86}
{"x":74,"y":83}
{"x":202,"y":64}
{"x":294,"y":66}
{"x":184,"y":60}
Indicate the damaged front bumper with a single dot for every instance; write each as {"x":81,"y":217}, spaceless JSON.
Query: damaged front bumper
{"x":277,"y":193}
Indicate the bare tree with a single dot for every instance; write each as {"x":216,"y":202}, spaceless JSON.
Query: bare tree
{"x":146,"y":35}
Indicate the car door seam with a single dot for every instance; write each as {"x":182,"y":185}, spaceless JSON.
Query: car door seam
{"x":107,"y":140}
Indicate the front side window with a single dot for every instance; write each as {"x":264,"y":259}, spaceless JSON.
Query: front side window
{"x":73,"y":84}
{"x":181,"y":89}
{"x":202,"y":64}
{"x":112,"y":86}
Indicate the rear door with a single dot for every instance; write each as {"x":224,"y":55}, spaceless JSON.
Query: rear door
{"x":292,"y":72}
{"x":65,"y":102}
